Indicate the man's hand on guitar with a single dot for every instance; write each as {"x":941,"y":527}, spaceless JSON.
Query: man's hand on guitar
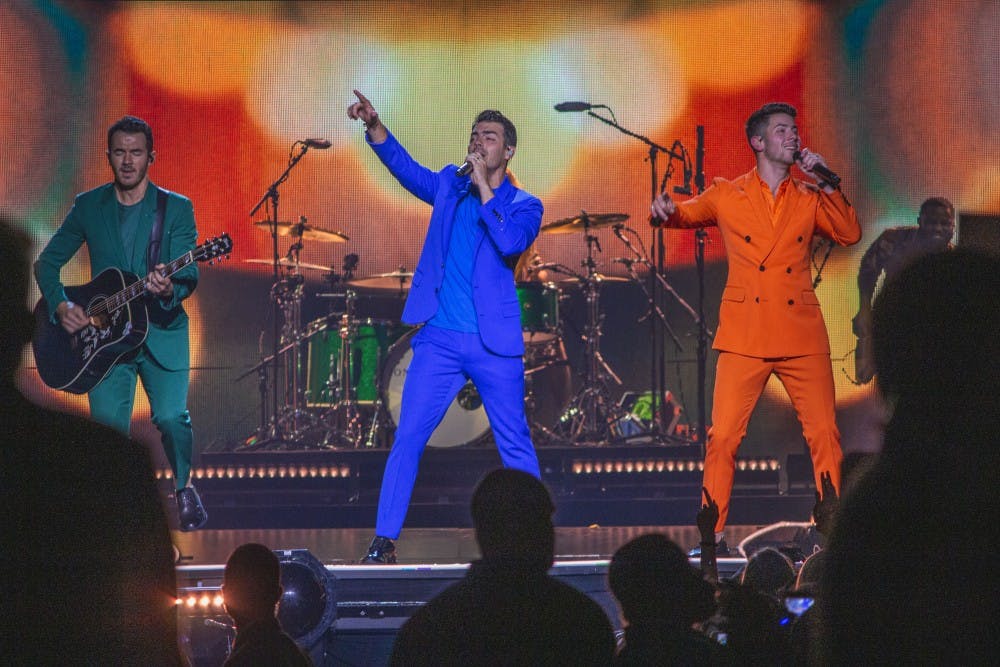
{"x":159,"y":285}
{"x":71,"y":316}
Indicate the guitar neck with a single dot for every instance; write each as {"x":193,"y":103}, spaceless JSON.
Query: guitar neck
{"x":138,"y":288}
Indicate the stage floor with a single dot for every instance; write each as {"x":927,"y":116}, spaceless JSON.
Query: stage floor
{"x":344,"y":546}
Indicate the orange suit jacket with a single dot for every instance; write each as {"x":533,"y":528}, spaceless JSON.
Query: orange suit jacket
{"x":769,"y":308}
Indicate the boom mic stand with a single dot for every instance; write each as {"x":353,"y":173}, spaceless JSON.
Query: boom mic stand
{"x":657,"y":349}
{"x":274,"y":431}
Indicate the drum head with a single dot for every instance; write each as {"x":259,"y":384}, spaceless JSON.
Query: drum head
{"x":464,"y":423}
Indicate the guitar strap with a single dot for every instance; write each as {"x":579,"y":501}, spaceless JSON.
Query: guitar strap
{"x":156,"y":234}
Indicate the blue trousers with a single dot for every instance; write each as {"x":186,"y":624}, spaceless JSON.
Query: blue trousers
{"x":442,"y":363}
{"x":111,"y":403}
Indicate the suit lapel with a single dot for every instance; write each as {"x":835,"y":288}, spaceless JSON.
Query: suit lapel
{"x":787,"y":210}
{"x":761,"y":219}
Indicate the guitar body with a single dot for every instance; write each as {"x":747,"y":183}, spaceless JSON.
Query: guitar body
{"x":77,"y":363}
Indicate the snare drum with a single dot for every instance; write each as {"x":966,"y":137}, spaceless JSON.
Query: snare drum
{"x":369,"y":347}
{"x":539,"y":310}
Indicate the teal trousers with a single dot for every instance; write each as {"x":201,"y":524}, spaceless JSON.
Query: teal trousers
{"x":112,"y":400}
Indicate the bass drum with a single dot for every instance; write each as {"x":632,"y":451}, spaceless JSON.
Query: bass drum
{"x":464,"y":423}
{"x":547,"y":384}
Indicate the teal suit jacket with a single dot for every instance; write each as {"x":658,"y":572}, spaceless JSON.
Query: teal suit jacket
{"x":93,"y":220}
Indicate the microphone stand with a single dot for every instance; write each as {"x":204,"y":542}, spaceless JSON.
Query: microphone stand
{"x":700,"y":236}
{"x":658,"y":353}
{"x":271,"y":197}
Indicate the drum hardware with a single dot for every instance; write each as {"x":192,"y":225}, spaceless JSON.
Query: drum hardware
{"x":292,"y":265}
{"x":271,"y":430}
{"x":664,"y":425}
{"x":591,"y":413}
{"x":583,"y":222}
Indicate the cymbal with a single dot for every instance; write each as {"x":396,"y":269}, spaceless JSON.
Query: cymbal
{"x":386,"y":282}
{"x":398,"y":273}
{"x":599,"y":278}
{"x":305,"y":230}
{"x":583,"y":221}
{"x":284,"y":261}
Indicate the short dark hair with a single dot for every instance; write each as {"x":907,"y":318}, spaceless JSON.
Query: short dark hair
{"x":512,"y":514}
{"x":757,"y":122}
{"x":651,"y":578}
{"x":934,"y":202}
{"x":494,"y":116}
{"x":252,"y":578}
{"x":132,"y":125}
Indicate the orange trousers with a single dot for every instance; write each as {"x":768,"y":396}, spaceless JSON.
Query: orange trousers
{"x":739,"y":381}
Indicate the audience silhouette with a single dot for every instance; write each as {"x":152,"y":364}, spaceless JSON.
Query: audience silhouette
{"x":251,"y":589}
{"x":507,"y":610}
{"x":912,"y":549}
{"x":87,"y":561}
{"x":661,"y":597}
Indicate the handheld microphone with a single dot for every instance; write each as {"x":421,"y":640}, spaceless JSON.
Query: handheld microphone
{"x":576,"y":106}
{"x":828,"y":175}
{"x":464,"y":169}
{"x":317,"y":143}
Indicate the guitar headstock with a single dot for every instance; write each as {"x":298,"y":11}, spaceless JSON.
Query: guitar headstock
{"x":214,"y":248}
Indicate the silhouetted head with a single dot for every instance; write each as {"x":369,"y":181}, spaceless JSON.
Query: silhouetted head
{"x":652,"y":580}
{"x":768,"y":571}
{"x":934,"y":329}
{"x":17,"y":320}
{"x":512,"y":516}
{"x":812,"y":571}
{"x":252,"y":583}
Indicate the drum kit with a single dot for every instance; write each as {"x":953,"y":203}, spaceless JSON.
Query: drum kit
{"x":340,"y":378}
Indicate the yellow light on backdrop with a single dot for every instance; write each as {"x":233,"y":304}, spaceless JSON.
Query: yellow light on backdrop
{"x":193,"y":51}
{"x":729,"y":46}
{"x":302,"y":84}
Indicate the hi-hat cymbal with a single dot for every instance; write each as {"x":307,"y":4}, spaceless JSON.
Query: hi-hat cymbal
{"x":305,"y":230}
{"x":583,"y":221}
{"x":388,"y":282}
{"x":398,"y":273}
{"x":284,"y":261}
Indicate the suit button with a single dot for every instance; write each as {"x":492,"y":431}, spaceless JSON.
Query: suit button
{"x":788,"y":270}
{"x":761,"y":267}
{"x":756,"y":299}
{"x":791,"y":302}
{"x":747,"y":238}
{"x":800,"y":239}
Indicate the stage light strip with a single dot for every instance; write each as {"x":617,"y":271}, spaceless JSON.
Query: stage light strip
{"x":283,"y":471}
{"x":645,"y":466}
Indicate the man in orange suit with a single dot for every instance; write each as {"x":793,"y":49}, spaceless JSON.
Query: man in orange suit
{"x":770,"y":320}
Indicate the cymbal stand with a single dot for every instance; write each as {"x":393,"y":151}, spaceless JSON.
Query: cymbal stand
{"x":591,"y":414}
{"x":287,"y":293}
{"x":343,"y":419}
{"x":269,"y":201}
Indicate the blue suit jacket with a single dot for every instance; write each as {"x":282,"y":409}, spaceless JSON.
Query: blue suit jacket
{"x":508,"y":223}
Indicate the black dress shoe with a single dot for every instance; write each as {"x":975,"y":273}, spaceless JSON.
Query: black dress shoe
{"x":191,"y":513}
{"x":381,"y":552}
{"x":721,"y":550}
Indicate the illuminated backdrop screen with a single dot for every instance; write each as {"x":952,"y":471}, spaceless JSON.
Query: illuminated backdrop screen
{"x":901,"y":97}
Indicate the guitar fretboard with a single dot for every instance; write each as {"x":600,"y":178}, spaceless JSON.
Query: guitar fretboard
{"x":138,"y":288}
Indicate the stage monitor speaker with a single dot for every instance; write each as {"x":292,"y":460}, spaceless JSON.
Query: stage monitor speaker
{"x":979,"y":231}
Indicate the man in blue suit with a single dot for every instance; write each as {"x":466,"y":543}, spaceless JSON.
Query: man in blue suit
{"x":464,"y":294}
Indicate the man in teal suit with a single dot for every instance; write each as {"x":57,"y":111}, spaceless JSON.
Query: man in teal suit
{"x":115,"y":220}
